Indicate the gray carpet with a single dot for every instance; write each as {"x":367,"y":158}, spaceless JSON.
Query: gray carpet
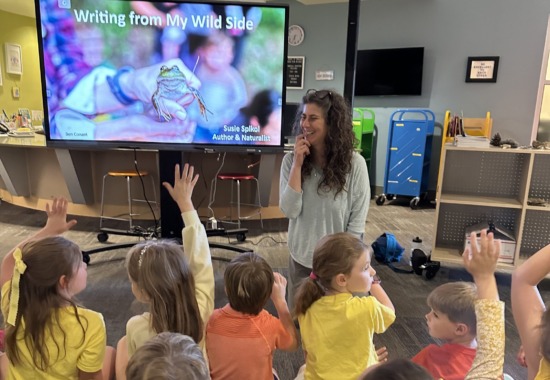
{"x":109,"y":292}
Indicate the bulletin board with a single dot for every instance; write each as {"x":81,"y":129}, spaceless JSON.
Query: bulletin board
{"x":295,"y":73}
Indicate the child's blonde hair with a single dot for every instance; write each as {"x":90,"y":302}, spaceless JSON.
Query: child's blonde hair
{"x":169,"y":356}
{"x":457,"y":301}
{"x":334,"y":254}
{"x":248,"y":283}
{"x":40,"y":300}
{"x":162,"y":273}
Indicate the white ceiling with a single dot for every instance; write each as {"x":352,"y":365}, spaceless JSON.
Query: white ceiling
{"x":20,"y":7}
{"x":26,"y":7}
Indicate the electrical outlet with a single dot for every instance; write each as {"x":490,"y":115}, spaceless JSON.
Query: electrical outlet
{"x":15,"y":92}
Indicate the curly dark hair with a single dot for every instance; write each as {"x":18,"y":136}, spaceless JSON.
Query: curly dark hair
{"x":339,"y":142}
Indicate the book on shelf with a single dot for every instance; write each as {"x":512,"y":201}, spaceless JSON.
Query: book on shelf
{"x":470,"y":141}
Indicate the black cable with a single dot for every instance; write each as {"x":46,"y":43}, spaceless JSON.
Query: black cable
{"x":215,"y":185}
{"x":203,"y":177}
{"x":155,"y":231}
{"x":267,"y":237}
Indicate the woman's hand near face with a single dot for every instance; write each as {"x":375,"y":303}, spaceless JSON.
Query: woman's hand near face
{"x":301,"y":150}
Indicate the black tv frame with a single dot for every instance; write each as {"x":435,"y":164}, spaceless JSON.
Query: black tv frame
{"x":163,"y":146}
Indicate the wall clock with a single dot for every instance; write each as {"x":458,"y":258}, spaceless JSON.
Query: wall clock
{"x":295,"y":35}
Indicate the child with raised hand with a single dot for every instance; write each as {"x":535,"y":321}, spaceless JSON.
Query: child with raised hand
{"x":168,"y":356}
{"x":241,"y":337}
{"x":452,"y":319}
{"x":480,"y":261}
{"x":178,"y":285}
{"x":337,"y":327}
{"x":531,"y":315}
{"x":48,"y":335}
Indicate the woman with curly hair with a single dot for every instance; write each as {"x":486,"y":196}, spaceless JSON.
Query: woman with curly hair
{"x":324,"y":186}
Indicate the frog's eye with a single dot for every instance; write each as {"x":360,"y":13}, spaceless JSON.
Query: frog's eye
{"x":163,"y":68}
{"x":175,"y":68}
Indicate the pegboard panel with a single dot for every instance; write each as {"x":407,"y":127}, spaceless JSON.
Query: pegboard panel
{"x":454,"y":218}
{"x":540,"y":178}
{"x":536,"y":232}
{"x":496,"y":174}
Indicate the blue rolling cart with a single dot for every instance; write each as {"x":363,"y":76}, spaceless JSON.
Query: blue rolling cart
{"x":409,"y":153}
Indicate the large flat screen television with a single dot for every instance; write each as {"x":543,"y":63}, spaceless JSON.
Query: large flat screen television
{"x":389,"y":71}
{"x":185,"y":75}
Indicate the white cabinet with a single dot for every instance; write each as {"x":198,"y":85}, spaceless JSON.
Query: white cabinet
{"x":492,"y":184}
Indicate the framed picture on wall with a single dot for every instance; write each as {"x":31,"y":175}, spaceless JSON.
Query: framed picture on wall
{"x":482,"y":69}
{"x":1,"y":75}
{"x":14,"y":63}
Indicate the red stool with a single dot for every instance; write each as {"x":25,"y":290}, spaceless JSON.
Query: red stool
{"x":236,"y":178}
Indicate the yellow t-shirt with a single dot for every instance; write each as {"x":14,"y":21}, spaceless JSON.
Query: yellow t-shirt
{"x":337,"y":334}
{"x":82,"y":350}
{"x":138,"y":331}
{"x":544,"y":370}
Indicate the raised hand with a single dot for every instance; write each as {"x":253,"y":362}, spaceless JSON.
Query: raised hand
{"x":55,"y":225}
{"x":184,"y":184}
{"x":481,"y":260}
{"x":57,"y":217}
{"x":279,"y":287}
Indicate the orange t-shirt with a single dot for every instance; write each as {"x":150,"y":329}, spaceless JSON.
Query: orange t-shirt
{"x":448,"y":362}
{"x":241,"y":346}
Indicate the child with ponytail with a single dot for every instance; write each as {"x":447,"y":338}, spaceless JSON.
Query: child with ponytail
{"x":337,"y":327}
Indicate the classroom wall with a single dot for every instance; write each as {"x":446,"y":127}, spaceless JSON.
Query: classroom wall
{"x":324,"y":46}
{"x":20,"y":30}
{"x":450,"y":31}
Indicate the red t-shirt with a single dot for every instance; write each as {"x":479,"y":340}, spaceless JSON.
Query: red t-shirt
{"x":448,"y":362}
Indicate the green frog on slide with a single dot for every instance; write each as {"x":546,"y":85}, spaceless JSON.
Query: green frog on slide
{"x":172,"y":84}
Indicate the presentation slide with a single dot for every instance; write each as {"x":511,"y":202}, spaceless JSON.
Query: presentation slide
{"x":163,"y":73}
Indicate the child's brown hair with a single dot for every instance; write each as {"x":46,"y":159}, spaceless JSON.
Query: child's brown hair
{"x":398,"y":369}
{"x":248,"y":282}
{"x":333,"y":254}
{"x":162,"y":273}
{"x":457,"y":301}
{"x":40,"y":299}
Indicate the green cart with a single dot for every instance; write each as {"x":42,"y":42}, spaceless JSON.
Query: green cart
{"x":363,"y":126}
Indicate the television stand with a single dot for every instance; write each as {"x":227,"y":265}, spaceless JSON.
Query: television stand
{"x":171,"y":223}
{"x":240,"y":233}
{"x":145,"y":233}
